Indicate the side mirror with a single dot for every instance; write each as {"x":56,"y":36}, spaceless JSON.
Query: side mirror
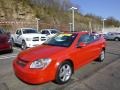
{"x":80,"y":45}
{"x":8,"y":33}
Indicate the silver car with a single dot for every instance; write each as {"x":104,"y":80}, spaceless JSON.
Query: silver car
{"x":112,"y":36}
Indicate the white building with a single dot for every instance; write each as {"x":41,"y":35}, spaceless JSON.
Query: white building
{"x":112,"y":29}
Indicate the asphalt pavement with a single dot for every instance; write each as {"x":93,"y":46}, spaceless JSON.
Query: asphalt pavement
{"x":94,"y":76}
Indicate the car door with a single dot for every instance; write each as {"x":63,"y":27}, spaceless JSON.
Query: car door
{"x":84,"y":54}
{"x":1,"y":44}
{"x":18,"y":37}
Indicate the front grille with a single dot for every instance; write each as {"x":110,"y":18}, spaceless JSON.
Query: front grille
{"x":21,"y":62}
{"x":35,"y":38}
{"x":43,"y":38}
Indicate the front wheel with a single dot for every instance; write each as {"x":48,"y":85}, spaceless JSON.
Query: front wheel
{"x":64,"y":73}
{"x":23,"y":46}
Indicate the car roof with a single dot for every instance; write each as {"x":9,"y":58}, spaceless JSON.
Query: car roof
{"x":50,"y":29}
{"x":81,"y":32}
{"x":27,"y":28}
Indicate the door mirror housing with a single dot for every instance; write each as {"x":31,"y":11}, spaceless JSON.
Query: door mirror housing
{"x":80,"y":45}
{"x":8,"y":33}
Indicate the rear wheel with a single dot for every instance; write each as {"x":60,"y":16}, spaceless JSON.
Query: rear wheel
{"x":102,"y":56}
{"x":23,"y":46}
{"x":64,"y":73}
{"x":117,"y":39}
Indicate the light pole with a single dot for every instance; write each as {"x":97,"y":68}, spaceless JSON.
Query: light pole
{"x":73,"y":22}
{"x":90,"y":26}
{"x":103,"y":20}
{"x":70,"y":26}
{"x":37,"y":23}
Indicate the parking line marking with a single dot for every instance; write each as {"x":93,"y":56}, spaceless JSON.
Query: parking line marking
{"x":8,"y":56}
{"x":17,"y":49}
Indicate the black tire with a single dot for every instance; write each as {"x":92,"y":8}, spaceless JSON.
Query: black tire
{"x":102,"y":56}
{"x":10,"y":51}
{"x":23,"y":45}
{"x":64,"y":73}
{"x":117,"y":39}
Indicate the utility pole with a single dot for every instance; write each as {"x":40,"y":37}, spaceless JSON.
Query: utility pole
{"x":73,"y":22}
{"x":103,"y":20}
{"x":37,"y":23}
{"x":90,"y":26}
{"x":70,"y":27}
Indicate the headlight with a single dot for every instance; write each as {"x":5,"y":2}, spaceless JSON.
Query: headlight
{"x":28,"y":39}
{"x":41,"y":63}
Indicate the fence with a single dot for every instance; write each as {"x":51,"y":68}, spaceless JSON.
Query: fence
{"x":11,"y":26}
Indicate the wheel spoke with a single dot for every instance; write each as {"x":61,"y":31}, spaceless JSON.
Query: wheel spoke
{"x":65,"y":72}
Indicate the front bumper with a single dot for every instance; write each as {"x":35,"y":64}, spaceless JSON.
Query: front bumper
{"x":33,"y":43}
{"x":32,"y":76}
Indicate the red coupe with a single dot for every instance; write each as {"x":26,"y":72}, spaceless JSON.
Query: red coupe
{"x":58,"y":58}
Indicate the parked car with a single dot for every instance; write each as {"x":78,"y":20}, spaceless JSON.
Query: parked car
{"x":112,"y":36}
{"x":28,"y":37}
{"x":5,"y":41}
{"x":58,"y":58}
{"x":49,"y":32}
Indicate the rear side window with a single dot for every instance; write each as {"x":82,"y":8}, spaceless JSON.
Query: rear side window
{"x":45,"y":32}
{"x":54,"y":31}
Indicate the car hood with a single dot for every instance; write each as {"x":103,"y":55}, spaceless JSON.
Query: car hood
{"x":42,"y":51}
{"x":33,"y":35}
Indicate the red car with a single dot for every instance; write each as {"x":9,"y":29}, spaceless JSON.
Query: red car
{"x":58,"y":58}
{"x":5,"y":41}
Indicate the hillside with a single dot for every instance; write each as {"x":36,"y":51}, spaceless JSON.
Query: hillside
{"x":50,"y":11}
{"x":15,"y":9}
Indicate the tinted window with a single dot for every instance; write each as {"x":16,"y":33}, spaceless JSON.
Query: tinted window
{"x":54,"y":31}
{"x":26,"y":31}
{"x":18,"y":32}
{"x":86,"y":38}
{"x":45,"y":32}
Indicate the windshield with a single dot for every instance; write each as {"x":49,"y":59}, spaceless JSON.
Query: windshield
{"x":26,"y":31}
{"x":54,"y":31}
{"x":64,"y":40}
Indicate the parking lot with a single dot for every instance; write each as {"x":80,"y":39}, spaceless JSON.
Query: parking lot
{"x":83,"y":79}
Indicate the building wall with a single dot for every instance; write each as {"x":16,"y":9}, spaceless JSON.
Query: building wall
{"x":106,"y":30}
